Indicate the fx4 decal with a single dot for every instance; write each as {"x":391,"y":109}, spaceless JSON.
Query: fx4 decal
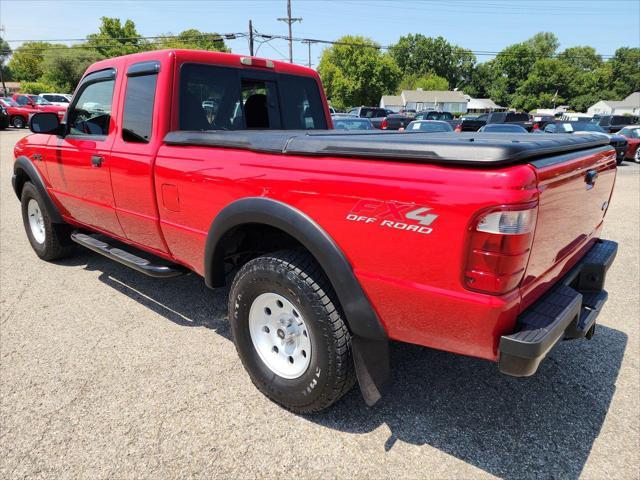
{"x":400,"y":216}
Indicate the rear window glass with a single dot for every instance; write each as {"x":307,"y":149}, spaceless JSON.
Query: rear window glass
{"x":517,"y":117}
{"x":220,"y":98}
{"x":621,"y":120}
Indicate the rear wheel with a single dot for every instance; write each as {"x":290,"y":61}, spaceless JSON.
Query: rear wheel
{"x":637,"y":155}
{"x":289,"y":331}
{"x":50,"y":241}
{"x":18,"y":122}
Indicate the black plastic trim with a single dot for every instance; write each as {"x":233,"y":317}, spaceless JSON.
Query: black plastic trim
{"x":151,"y":67}
{"x":472,"y":149}
{"x":126,"y":258}
{"x":569,"y":310}
{"x":24,"y":166}
{"x":370,"y":338}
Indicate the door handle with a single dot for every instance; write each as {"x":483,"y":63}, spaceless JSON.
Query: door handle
{"x":96,"y":161}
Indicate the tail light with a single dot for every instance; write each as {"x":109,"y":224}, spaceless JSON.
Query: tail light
{"x":499,"y":246}
{"x":458,"y":129}
{"x":536,"y":126}
{"x":384,"y":124}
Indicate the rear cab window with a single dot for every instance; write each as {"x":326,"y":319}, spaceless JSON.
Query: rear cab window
{"x":517,"y":117}
{"x":227,"y":98}
{"x":139,"y":99}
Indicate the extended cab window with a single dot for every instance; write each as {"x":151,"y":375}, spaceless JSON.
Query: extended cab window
{"x":138,"y":108}
{"x":91,"y":113}
{"x":221,"y":98}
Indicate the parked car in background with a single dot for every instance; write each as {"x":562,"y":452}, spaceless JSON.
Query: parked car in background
{"x":18,"y":116}
{"x":541,"y":121}
{"x":433,"y":115}
{"x":4,"y":117}
{"x":503,"y":128}
{"x":519,"y":118}
{"x":429,"y":126}
{"x":60,"y":99}
{"x":397,"y":121}
{"x":375,"y":114}
{"x":632,"y":134}
{"x":585,"y":128}
{"x":351,"y":123}
{"x":472,"y":124}
{"x":614,"y":123}
{"x":38,"y":104}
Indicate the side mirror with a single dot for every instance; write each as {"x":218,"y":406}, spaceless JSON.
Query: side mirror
{"x":45,"y":122}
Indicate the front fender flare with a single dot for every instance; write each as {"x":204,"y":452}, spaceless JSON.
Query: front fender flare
{"x":24,"y":167}
{"x":370,"y":340}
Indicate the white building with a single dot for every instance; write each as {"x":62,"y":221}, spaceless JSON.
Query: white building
{"x":629,"y":106}
{"x":483,"y":105}
{"x":392,"y":102}
{"x":441,"y":100}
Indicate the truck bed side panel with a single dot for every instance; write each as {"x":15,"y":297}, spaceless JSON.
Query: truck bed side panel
{"x":394,"y":259}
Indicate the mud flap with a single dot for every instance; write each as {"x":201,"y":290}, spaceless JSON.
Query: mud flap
{"x":371,"y":360}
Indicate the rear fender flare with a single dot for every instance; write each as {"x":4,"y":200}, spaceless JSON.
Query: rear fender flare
{"x":370,"y":340}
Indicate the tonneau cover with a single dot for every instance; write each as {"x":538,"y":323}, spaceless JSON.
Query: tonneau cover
{"x":471,"y":148}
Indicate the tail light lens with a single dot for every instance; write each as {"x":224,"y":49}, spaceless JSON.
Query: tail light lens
{"x":499,"y":246}
{"x":384,"y":124}
{"x":536,"y":126}
{"x":458,"y":129}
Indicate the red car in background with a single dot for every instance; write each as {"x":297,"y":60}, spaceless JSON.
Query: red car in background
{"x":36,"y":103}
{"x":18,"y":116}
{"x":632,"y":134}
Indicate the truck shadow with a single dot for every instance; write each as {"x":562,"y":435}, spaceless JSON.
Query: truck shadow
{"x":538,"y":427}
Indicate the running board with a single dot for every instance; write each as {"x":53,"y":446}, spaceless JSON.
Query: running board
{"x":126,"y":258}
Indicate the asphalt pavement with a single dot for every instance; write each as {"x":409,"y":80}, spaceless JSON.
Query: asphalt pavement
{"x":105,"y":373}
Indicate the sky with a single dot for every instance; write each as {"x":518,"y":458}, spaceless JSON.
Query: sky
{"x":479,"y":25}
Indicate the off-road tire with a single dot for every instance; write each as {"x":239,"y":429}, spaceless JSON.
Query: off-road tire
{"x":296,"y":276}
{"x":57,"y":243}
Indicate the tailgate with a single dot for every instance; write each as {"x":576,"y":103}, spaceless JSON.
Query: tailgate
{"x":574,"y":193}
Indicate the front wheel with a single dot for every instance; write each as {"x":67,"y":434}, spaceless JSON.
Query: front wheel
{"x":18,"y":122}
{"x":289,"y":331}
{"x":50,"y":241}
{"x":637,"y":155}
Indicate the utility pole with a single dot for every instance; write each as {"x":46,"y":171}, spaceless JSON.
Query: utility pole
{"x":288,"y":20}
{"x":250,"y":38}
{"x":309,"y":42}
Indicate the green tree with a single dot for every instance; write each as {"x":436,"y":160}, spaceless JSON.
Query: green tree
{"x":64,"y":67}
{"x":549,"y":83}
{"x":425,"y":82}
{"x":26,"y":62}
{"x":358,"y":73}
{"x":194,"y":40}
{"x":482,"y":78}
{"x":625,"y":67}
{"x":5,"y":51}
{"x":582,"y":58}
{"x":512,"y":67}
{"x":37,"y":87}
{"x":114,"y":39}
{"x":543,"y":44}
{"x":420,"y":55}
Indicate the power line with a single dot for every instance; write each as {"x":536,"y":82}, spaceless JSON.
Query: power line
{"x":266,"y":38}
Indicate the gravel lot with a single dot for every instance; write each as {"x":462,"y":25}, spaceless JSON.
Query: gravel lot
{"x":106,"y":373}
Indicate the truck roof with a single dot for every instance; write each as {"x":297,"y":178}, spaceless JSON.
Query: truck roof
{"x":202,"y":56}
{"x":472,"y":148}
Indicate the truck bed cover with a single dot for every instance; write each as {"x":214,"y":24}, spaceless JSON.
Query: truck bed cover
{"x":472,"y":148}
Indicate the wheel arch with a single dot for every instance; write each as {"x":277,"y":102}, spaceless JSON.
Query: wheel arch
{"x":370,"y":341}
{"x":25,"y":171}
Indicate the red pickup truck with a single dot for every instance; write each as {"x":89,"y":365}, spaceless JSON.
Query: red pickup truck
{"x":333,"y":242}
